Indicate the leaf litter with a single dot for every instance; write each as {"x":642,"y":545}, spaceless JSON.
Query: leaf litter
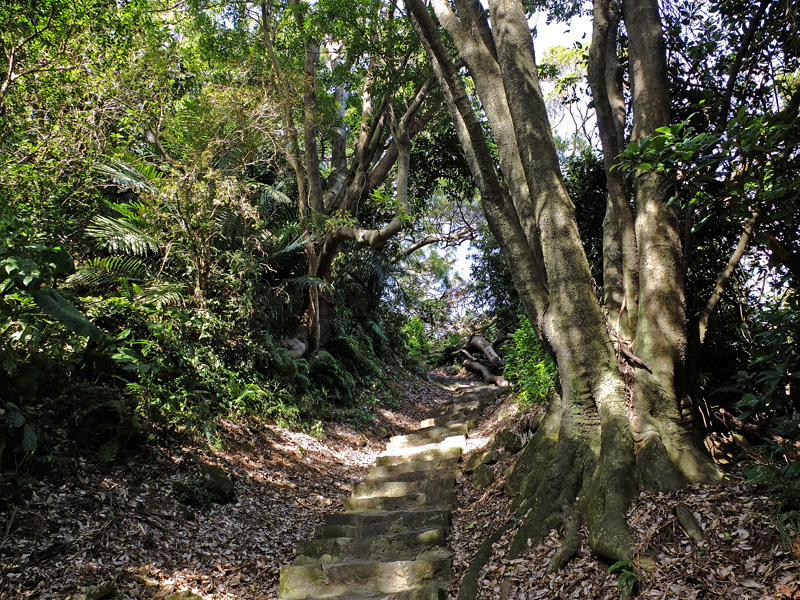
{"x":86,"y":523}
{"x":742,"y":556}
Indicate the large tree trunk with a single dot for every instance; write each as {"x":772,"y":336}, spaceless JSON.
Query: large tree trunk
{"x":581,"y":467}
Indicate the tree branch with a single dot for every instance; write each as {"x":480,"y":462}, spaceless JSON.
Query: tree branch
{"x":722,"y":119}
{"x":722,"y":278}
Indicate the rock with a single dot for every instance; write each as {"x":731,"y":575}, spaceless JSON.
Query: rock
{"x":218,"y":486}
{"x":380,"y":432}
{"x":186,"y":512}
{"x":99,"y":591}
{"x":494,"y":457}
{"x":474,"y":462}
{"x":482,"y":477}
{"x":509,"y":440}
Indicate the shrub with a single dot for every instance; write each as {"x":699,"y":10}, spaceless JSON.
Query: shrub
{"x":529,"y":366}
{"x":417,"y":342}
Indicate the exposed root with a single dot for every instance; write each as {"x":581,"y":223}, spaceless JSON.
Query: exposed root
{"x":570,"y":548}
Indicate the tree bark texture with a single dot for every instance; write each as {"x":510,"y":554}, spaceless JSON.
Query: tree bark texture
{"x":602,"y":437}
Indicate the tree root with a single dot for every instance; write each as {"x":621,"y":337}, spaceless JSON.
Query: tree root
{"x":570,"y":547}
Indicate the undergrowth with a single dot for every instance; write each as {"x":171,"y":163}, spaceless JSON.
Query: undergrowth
{"x":529,"y":367}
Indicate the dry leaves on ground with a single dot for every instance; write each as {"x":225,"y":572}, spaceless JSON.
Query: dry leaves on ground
{"x":87,"y":523}
{"x":742,"y":555}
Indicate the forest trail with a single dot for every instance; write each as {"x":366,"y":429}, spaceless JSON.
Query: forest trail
{"x":390,"y":543}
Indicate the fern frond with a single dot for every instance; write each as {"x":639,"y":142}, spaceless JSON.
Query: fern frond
{"x":162,"y":294}
{"x":107,"y":270}
{"x":118,"y":235}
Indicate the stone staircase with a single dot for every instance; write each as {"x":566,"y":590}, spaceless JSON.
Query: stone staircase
{"x":390,"y":543}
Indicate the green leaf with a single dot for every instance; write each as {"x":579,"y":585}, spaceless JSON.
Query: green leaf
{"x":16,"y":419}
{"x":60,"y":259}
{"x":29,"y":438}
{"x":791,"y":470}
{"x":55,"y":305}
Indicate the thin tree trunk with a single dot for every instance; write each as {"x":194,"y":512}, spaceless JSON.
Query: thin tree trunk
{"x":722,"y":278}
{"x":605,"y":78}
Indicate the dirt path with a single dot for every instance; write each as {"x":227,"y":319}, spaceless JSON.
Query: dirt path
{"x":86,"y":523}
{"x":390,"y":543}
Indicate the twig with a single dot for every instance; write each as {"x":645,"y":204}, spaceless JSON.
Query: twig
{"x":9,"y":524}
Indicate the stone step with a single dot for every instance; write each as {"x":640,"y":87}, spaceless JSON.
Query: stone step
{"x":407,"y":472}
{"x":430,"y":486}
{"x":331,"y":579}
{"x":426,"y":592}
{"x":466,"y":404}
{"x":366,"y":524}
{"x":428,"y":435}
{"x":452,"y":441}
{"x":408,"y":545}
{"x":388,"y":466}
{"x":424,"y":453}
{"x":414,"y":501}
{"x":451,"y":446}
{"x":447,"y":420}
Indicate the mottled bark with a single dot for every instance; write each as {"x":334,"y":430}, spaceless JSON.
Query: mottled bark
{"x":497,"y":205}
{"x":664,"y":424}
{"x":592,"y":452}
{"x":477,"y":49}
{"x":605,"y":79}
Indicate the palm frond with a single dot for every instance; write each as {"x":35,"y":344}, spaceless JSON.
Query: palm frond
{"x":131,"y":175}
{"x":162,"y":294}
{"x":318,"y":221}
{"x":231,"y":226}
{"x":276,"y":207}
{"x":107,"y":270}
{"x":307,"y":281}
{"x":119,"y":235}
{"x":286,"y":244}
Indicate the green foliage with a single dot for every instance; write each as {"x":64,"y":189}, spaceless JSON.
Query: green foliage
{"x":417,"y":341}
{"x":777,"y":471}
{"x":627,"y":576}
{"x":32,"y":312}
{"x":529,"y":367}
{"x":771,"y":380}
{"x":330,"y":376}
{"x":18,"y":430}
{"x":585,"y":178}
{"x":492,"y":284}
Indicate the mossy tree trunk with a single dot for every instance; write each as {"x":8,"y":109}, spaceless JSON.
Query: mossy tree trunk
{"x":607,"y":433}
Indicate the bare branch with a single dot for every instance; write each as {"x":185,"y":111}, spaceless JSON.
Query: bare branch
{"x":722,"y":278}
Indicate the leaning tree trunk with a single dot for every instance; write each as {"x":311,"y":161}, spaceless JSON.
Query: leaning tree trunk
{"x":581,"y":466}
